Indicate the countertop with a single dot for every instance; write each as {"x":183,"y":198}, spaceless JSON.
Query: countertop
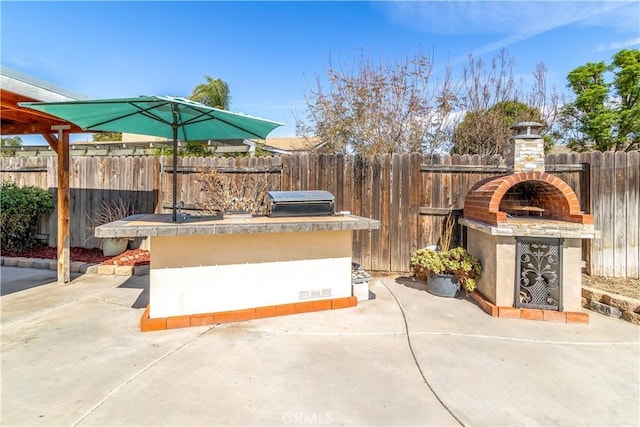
{"x":143,"y":225}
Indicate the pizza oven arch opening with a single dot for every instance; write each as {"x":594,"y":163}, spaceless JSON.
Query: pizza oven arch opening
{"x":535,"y":199}
{"x":523,"y":194}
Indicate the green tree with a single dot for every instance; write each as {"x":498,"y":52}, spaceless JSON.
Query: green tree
{"x":486,"y":132}
{"x":11,"y":141}
{"x":195,"y":149}
{"x":10,"y":145}
{"x":188,"y":149}
{"x":214,"y":93}
{"x":107,"y":136}
{"x":605,"y":115}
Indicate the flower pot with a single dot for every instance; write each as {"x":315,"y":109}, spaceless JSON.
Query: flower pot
{"x":443,"y":285}
{"x":112,"y":246}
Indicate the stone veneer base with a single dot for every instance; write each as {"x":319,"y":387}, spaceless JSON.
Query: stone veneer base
{"x":157,"y":324}
{"x":529,"y":313}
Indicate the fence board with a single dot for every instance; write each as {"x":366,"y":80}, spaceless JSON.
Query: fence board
{"x":620,"y":213}
{"x":436,"y":201}
{"x":330,"y":169}
{"x":596,"y":209}
{"x":376,"y":210}
{"x":425,"y":200}
{"x":414,"y":204}
{"x":455,"y":181}
{"x":405,"y":236}
{"x":385,"y":217}
{"x":296,"y":181}
{"x":366,"y":237}
{"x":633,"y":218}
{"x":347,"y":182}
{"x":285,"y":178}
{"x":339,"y":181}
{"x":608,"y":212}
{"x":585,"y":205}
{"x":354,"y":203}
{"x":304,"y":174}
{"x":395,"y":229}
{"x":77,"y":202}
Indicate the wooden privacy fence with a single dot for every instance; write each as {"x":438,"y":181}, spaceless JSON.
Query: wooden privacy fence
{"x":410,"y":194}
{"x":93,"y":181}
{"x":615,"y":202}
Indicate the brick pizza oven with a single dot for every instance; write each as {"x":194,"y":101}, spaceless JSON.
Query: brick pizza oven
{"x":526,"y":227}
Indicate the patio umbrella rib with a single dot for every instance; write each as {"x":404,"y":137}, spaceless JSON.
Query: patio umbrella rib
{"x":144,"y":112}
{"x":192,"y":121}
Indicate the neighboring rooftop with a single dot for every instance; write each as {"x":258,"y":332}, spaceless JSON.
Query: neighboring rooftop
{"x":290,"y":144}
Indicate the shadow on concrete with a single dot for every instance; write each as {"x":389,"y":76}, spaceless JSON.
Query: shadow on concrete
{"x":412,"y":282}
{"x":138,"y":282}
{"x":16,"y":279}
{"x":421,"y":285}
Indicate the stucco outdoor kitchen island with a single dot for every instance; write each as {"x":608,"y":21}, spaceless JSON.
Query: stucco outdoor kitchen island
{"x":208,"y":269}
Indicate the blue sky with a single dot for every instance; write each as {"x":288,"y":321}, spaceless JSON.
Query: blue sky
{"x":271,"y":52}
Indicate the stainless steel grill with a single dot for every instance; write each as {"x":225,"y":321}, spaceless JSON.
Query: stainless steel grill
{"x":300,"y":203}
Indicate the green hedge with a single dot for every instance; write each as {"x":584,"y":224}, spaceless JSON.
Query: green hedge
{"x":21,"y":210}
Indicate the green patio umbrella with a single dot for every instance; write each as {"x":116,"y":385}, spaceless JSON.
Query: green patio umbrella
{"x":175,"y":118}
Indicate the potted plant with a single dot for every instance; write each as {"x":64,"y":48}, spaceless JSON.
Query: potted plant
{"x":109,"y":212}
{"x":446,"y":272}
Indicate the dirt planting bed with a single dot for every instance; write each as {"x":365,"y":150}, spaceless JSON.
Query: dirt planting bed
{"x":131,"y":257}
{"x":616,"y":285}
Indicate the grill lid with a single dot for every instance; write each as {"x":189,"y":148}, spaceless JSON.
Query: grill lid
{"x":300,"y":203}
{"x":300,"y":196}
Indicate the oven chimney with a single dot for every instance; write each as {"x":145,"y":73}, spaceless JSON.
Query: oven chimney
{"x":525,"y":152}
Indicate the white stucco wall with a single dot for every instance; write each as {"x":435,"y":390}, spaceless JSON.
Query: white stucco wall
{"x":497,"y":255}
{"x":205,"y":274}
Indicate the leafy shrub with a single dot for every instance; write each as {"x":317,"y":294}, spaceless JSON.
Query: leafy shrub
{"x":457,"y":261}
{"x":21,"y":209}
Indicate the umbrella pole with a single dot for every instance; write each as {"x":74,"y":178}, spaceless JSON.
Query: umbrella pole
{"x":175,"y":171}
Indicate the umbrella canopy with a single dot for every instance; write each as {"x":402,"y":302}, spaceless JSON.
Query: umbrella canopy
{"x":157,"y":116}
{"x":164,"y":116}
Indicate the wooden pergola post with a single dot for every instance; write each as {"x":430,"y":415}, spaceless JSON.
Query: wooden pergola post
{"x":63,"y":243}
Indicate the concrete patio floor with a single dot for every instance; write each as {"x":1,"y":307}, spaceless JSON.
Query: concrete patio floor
{"x":73,"y":355}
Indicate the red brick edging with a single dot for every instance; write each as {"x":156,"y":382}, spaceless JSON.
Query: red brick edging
{"x":529,"y":313}
{"x":161,"y":323}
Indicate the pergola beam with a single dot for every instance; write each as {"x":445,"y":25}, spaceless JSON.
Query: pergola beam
{"x":64,"y":249}
{"x":17,"y":120}
{"x":40,"y":127}
{"x":52,"y":141}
